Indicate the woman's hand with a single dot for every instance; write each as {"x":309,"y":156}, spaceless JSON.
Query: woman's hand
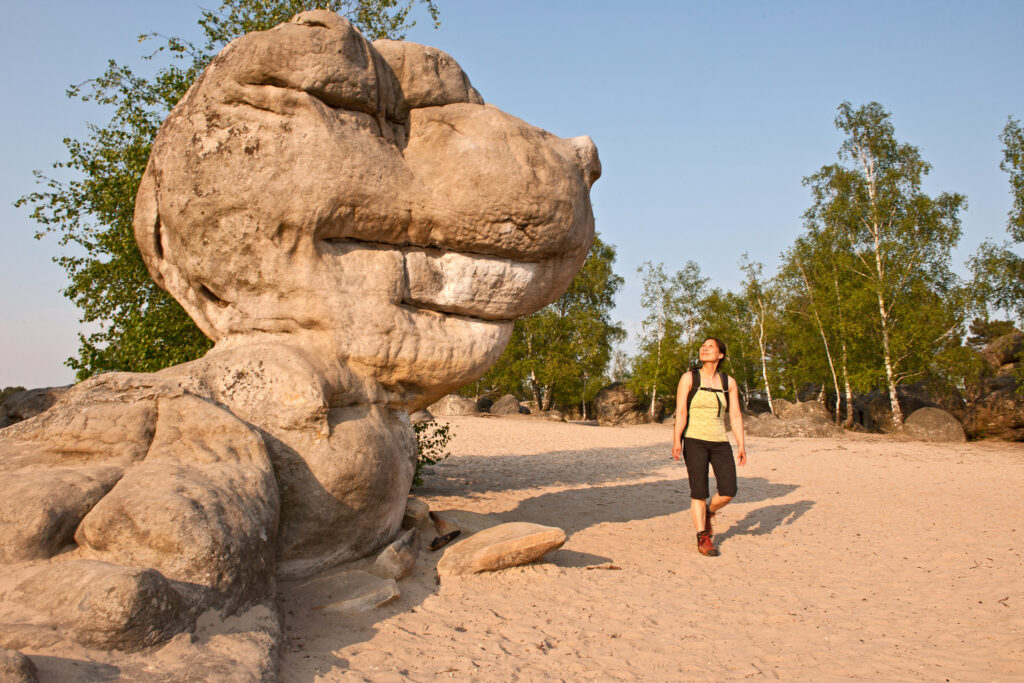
{"x":741,"y":455}
{"x":677,"y":449}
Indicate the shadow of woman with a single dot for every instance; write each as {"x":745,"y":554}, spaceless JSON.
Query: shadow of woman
{"x":765,"y":520}
{"x":576,"y":509}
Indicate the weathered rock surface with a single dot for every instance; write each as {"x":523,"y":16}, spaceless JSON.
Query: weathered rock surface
{"x":499,"y":547}
{"x":420,"y":416}
{"x":616,"y":405}
{"x":506,"y":405}
{"x":28,"y":403}
{"x":397,"y":559}
{"x":1003,"y":352}
{"x":875,"y":408}
{"x":417,"y":512}
{"x":16,"y":667}
{"x":358,"y":232}
{"x":107,"y":606}
{"x":345,"y":592}
{"x":446,"y":521}
{"x":933,"y":424}
{"x":997,"y":412}
{"x":790,"y":411}
{"x":810,"y":424}
{"x":454,"y":405}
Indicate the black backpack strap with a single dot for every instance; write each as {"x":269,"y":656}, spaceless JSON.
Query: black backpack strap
{"x":694,"y":386}
{"x":725,"y":388}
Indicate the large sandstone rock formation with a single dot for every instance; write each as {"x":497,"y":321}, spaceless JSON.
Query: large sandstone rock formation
{"x":357,"y":231}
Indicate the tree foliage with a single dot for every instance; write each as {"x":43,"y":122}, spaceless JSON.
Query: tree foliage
{"x":998,"y":269}
{"x":137,"y":326}
{"x":558,"y":355}
{"x":900,"y":240}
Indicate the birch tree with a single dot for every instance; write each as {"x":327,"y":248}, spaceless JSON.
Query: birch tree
{"x":759,"y":307}
{"x":900,"y":239}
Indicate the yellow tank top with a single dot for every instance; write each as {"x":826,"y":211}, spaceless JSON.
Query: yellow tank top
{"x":707,"y":416}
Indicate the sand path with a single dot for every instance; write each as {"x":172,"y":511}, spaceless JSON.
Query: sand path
{"x":859,"y":557}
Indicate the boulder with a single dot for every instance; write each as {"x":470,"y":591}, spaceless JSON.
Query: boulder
{"x":22,"y":405}
{"x":502,"y":546}
{"x":397,"y":560}
{"x":483,"y":404}
{"x":616,"y":405}
{"x":453,"y":405}
{"x":780,"y":406}
{"x":997,"y":412}
{"x":1005,"y":351}
{"x":447,"y":521}
{"x":420,"y":416}
{"x":346,"y":592}
{"x":107,"y":606}
{"x":810,"y":424}
{"x":16,"y":667}
{"x":417,"y":512}
{"x":791,"y":411}
{"x":506,"y":405}
{"x":933,"y":424}
{"x":875,"y":409}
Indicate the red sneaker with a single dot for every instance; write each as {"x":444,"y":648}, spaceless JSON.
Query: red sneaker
{"x":705,"y":546}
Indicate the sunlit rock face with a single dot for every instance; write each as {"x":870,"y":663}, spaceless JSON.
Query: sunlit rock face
{"x":357,"y":230}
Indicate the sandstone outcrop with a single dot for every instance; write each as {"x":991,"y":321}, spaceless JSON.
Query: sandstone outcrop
{"x":500,"y":547}
{"x":803,"y":424}
{"x":416,"y":513}
{"x":933,"y":424}
{"x":27,"y":403}
{"x":454,"y":405}
{"x":997,"y":412}
{"x":357,"y":231}
{"x":616,"y":405}
{"x":506,"y":405}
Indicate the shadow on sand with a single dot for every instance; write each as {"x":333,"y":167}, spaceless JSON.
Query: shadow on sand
{"x":600,"y":496}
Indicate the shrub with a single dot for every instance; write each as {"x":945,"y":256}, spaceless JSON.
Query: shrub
{"x":431,"y":444}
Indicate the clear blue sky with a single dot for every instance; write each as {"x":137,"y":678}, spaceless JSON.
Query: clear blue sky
{"x":706,"y":115}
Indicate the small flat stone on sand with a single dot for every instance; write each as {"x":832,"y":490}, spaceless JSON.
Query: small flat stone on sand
{"x":506,"y":545}
{"x":446,"y":521}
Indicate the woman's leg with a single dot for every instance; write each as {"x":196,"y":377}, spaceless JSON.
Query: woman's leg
{"x":697,"y":457}
{"x":722,"y":462}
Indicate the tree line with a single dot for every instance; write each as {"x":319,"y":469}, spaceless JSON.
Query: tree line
{"x":865,"y":298}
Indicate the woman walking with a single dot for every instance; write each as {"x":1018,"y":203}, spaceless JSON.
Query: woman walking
{"x":703,"y":398}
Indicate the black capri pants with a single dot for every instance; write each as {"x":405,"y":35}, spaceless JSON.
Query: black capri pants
{"x":698,"y":453}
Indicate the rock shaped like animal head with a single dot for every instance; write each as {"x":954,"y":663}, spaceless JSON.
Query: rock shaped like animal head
{"x":361,"y":198}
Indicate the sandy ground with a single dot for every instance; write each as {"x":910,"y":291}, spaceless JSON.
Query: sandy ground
{"x":858,"y":557}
